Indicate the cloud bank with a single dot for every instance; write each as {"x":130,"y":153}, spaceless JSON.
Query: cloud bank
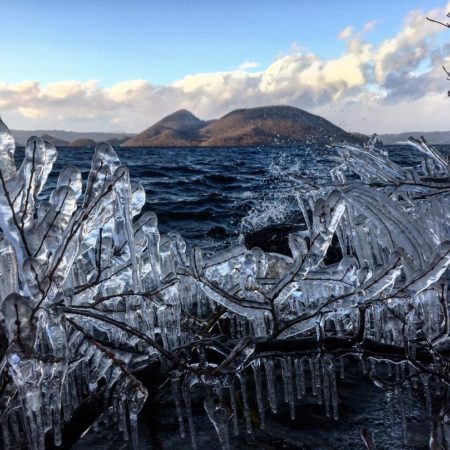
{"x":396,"y":85}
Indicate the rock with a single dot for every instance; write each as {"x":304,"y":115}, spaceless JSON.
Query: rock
{"x":273,"y":238}
{"x":217,"y":232}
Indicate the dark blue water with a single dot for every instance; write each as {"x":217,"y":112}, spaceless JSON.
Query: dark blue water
{"x":211,"y":195}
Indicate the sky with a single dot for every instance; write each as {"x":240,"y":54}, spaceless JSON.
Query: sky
{"x":107,"y":65}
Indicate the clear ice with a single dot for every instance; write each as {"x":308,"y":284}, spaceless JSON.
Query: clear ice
{"x":91,"y":292}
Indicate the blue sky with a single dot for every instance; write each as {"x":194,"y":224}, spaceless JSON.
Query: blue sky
{"x":163,"y":42}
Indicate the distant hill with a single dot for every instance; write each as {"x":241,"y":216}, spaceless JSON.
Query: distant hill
{"x":83,"y":142}
{"x":269,"y":125}
{"x":66,"y":137}
{"x":434,"y":137}
{"x":117,"y":142}
{"x":180,"y":129}
{"x":55,"y":141}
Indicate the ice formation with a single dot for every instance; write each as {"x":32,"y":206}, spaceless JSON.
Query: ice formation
{"x":91,"y":292}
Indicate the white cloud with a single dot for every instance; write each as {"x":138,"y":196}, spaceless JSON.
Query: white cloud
{"x":64,"y":89}
{"x":248,"y":65}
{"x":345,"y":33}
{"x":393,"y":86}
{"x":370,"y":25}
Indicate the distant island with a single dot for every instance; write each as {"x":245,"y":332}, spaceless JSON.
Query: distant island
{"x":60,"y":138}
{"x":435,"y":137}
{"x":268,"y":125}
{"x":261,"y":126}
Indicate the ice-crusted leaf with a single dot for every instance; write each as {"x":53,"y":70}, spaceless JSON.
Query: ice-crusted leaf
{"x":35,"y":279}
{"x":384,"y":278}
{"x":327,"y":220}
{"x":299,"y":251}
{"x":423,"y":146}
{"x":219,"y":415}
{"x":178,"y":249}
{"x":196,"y":261}
{"x":55,"y":221}
{"x":104,"y":164}
{"x":391,"y":222}
{"x":7,"y":149}
{"x":8,"y":269}
{"x":424,"y":278}
{"x":17,"y":311}
{"x":71,"y":176}
{"x":260,"y":262}
{"x":137,"y":198}
{"x":50,"y":157}
{"x":152,"y":257}
{"x":371,"y":165}
{"x":248,"y":308}
{"x":30,"y":174}
{"x":226,"y":259}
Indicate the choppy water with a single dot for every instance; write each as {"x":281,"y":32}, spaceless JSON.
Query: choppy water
{"x":196,"y":190}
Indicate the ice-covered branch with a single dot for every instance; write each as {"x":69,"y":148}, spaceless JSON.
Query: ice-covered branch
{"x":92,"y":293}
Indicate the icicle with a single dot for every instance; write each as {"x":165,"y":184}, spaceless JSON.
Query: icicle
{"x":299,"y":366}
{"x":290,"y":388}
{"x":234,"y":408}
{"x":342,"y":368}
{"x":133,"y":417}
{"x":426,"y":389}
{"x":219,"y":417}
{"x":189,"y":381}
{"x":313,"y":376}
{"x":122,"y":420}
{"x":284,"y":375}
{"x":329,"y":374}
{"x":256,"y":366}
{"x":334,"y":395}
{"x":175,"y":383}
{"x":326,"y":385}
{"x":245,"y":402}
{"x":57,"y":423}
{"x":270,"y":379}
{"x":318,"y":377}
{"x":363,"y":366}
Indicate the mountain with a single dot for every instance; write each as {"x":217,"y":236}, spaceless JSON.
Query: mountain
{"x":433,"y":137}
{"x":180,"y":129}
{"x":268,"y":125}
{"x":21,"y":136}
{"x":279,"y":125}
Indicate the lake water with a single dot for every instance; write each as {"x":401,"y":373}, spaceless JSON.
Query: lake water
{"x":211,"y":195}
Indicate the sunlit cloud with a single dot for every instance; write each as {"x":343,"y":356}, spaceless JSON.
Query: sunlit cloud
{"x":370,"y":25}
{"x":248,"y":65}
{"x":345,"y":33}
